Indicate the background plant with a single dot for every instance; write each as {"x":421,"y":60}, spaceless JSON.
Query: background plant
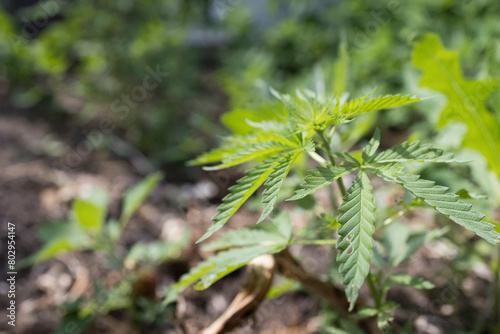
{"x":87,"y":229}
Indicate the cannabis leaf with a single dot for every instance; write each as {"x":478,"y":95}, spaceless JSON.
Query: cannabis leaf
{"x":214,"y":155}
{"x":245,"y":148}
{"x":321,"y":177}
{"x":356,"y":235}
{"x":362,"y":105}
{"x":444,"y":202}
{"x":415,"y":151}
{"x":250,"y":152}
{"x":307,"y":110}
{"x":278,"y":231}
{"x":218,"y":266}
{"x":239,"y":193}
{"x":245,"y":245}
{"x":274,"y":182}
{"x":279,"y":138}
{"x":449,"y":205}
{"x":466,"y":98}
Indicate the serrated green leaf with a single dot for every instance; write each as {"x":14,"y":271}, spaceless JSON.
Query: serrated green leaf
{"x":416,"y":151}
{"x":447,"y":204}
{"x":242,"y":237}
{"x":388,"y":172}
{"x":274,"y":238}
{"x":355,"y":243}
{"x":278,"y":231}
{"x":274,"y":182}
{"x":250,"y":152}
{"x":218,"y":266}
{"x":362,"y":105}
{"x":308,"y":110}
{"x":466,"y":98}
{"x":308,"y":145}
{"x":239,"y":193}
{"x":321,"y":177}
{"x":134,"y":196}
{"x":214,"y":155}
{"x":241,"y":144}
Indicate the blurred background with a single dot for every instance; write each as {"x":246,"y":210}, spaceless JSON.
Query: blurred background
{"x":100,"y":94}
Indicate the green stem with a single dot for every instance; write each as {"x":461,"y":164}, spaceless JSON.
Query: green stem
{"x":374,"y":291}
{"x":314,"y":242}
{"x":392,"y":218}
{"x":328,"y":152}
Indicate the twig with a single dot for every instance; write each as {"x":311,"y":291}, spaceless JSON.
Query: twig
{"x":261,"y":274}
{"x":290,"y":268}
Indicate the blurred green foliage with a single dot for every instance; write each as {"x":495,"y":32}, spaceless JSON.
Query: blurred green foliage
{"x":87,"y":229}
{"x":96,"y":51}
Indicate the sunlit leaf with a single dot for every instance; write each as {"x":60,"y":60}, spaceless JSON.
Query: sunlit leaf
{"x":137,"y":194}
{"x":466,"y":98}
{"x":356,"y":235}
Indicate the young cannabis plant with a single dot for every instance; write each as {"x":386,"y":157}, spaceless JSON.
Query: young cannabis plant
{"x":302,"y":124}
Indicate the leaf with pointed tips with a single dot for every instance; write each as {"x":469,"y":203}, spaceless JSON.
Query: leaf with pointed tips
{"x":321,"y":177}
{"x":356,"y":235}
{"x":407,"y":152}
{"x":250,"y":152}
{"x":243,"y":145}
{"x":388,"y":172}
{"x":240,"y":192}
{"x":274,"y":182}
{"x":279,"y":230}
{"x":446,"y":203}
{"x":214,"y":155}
{"x":249,"y":243}
{"x":223,"y":263}
{"x":361,"y":105}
